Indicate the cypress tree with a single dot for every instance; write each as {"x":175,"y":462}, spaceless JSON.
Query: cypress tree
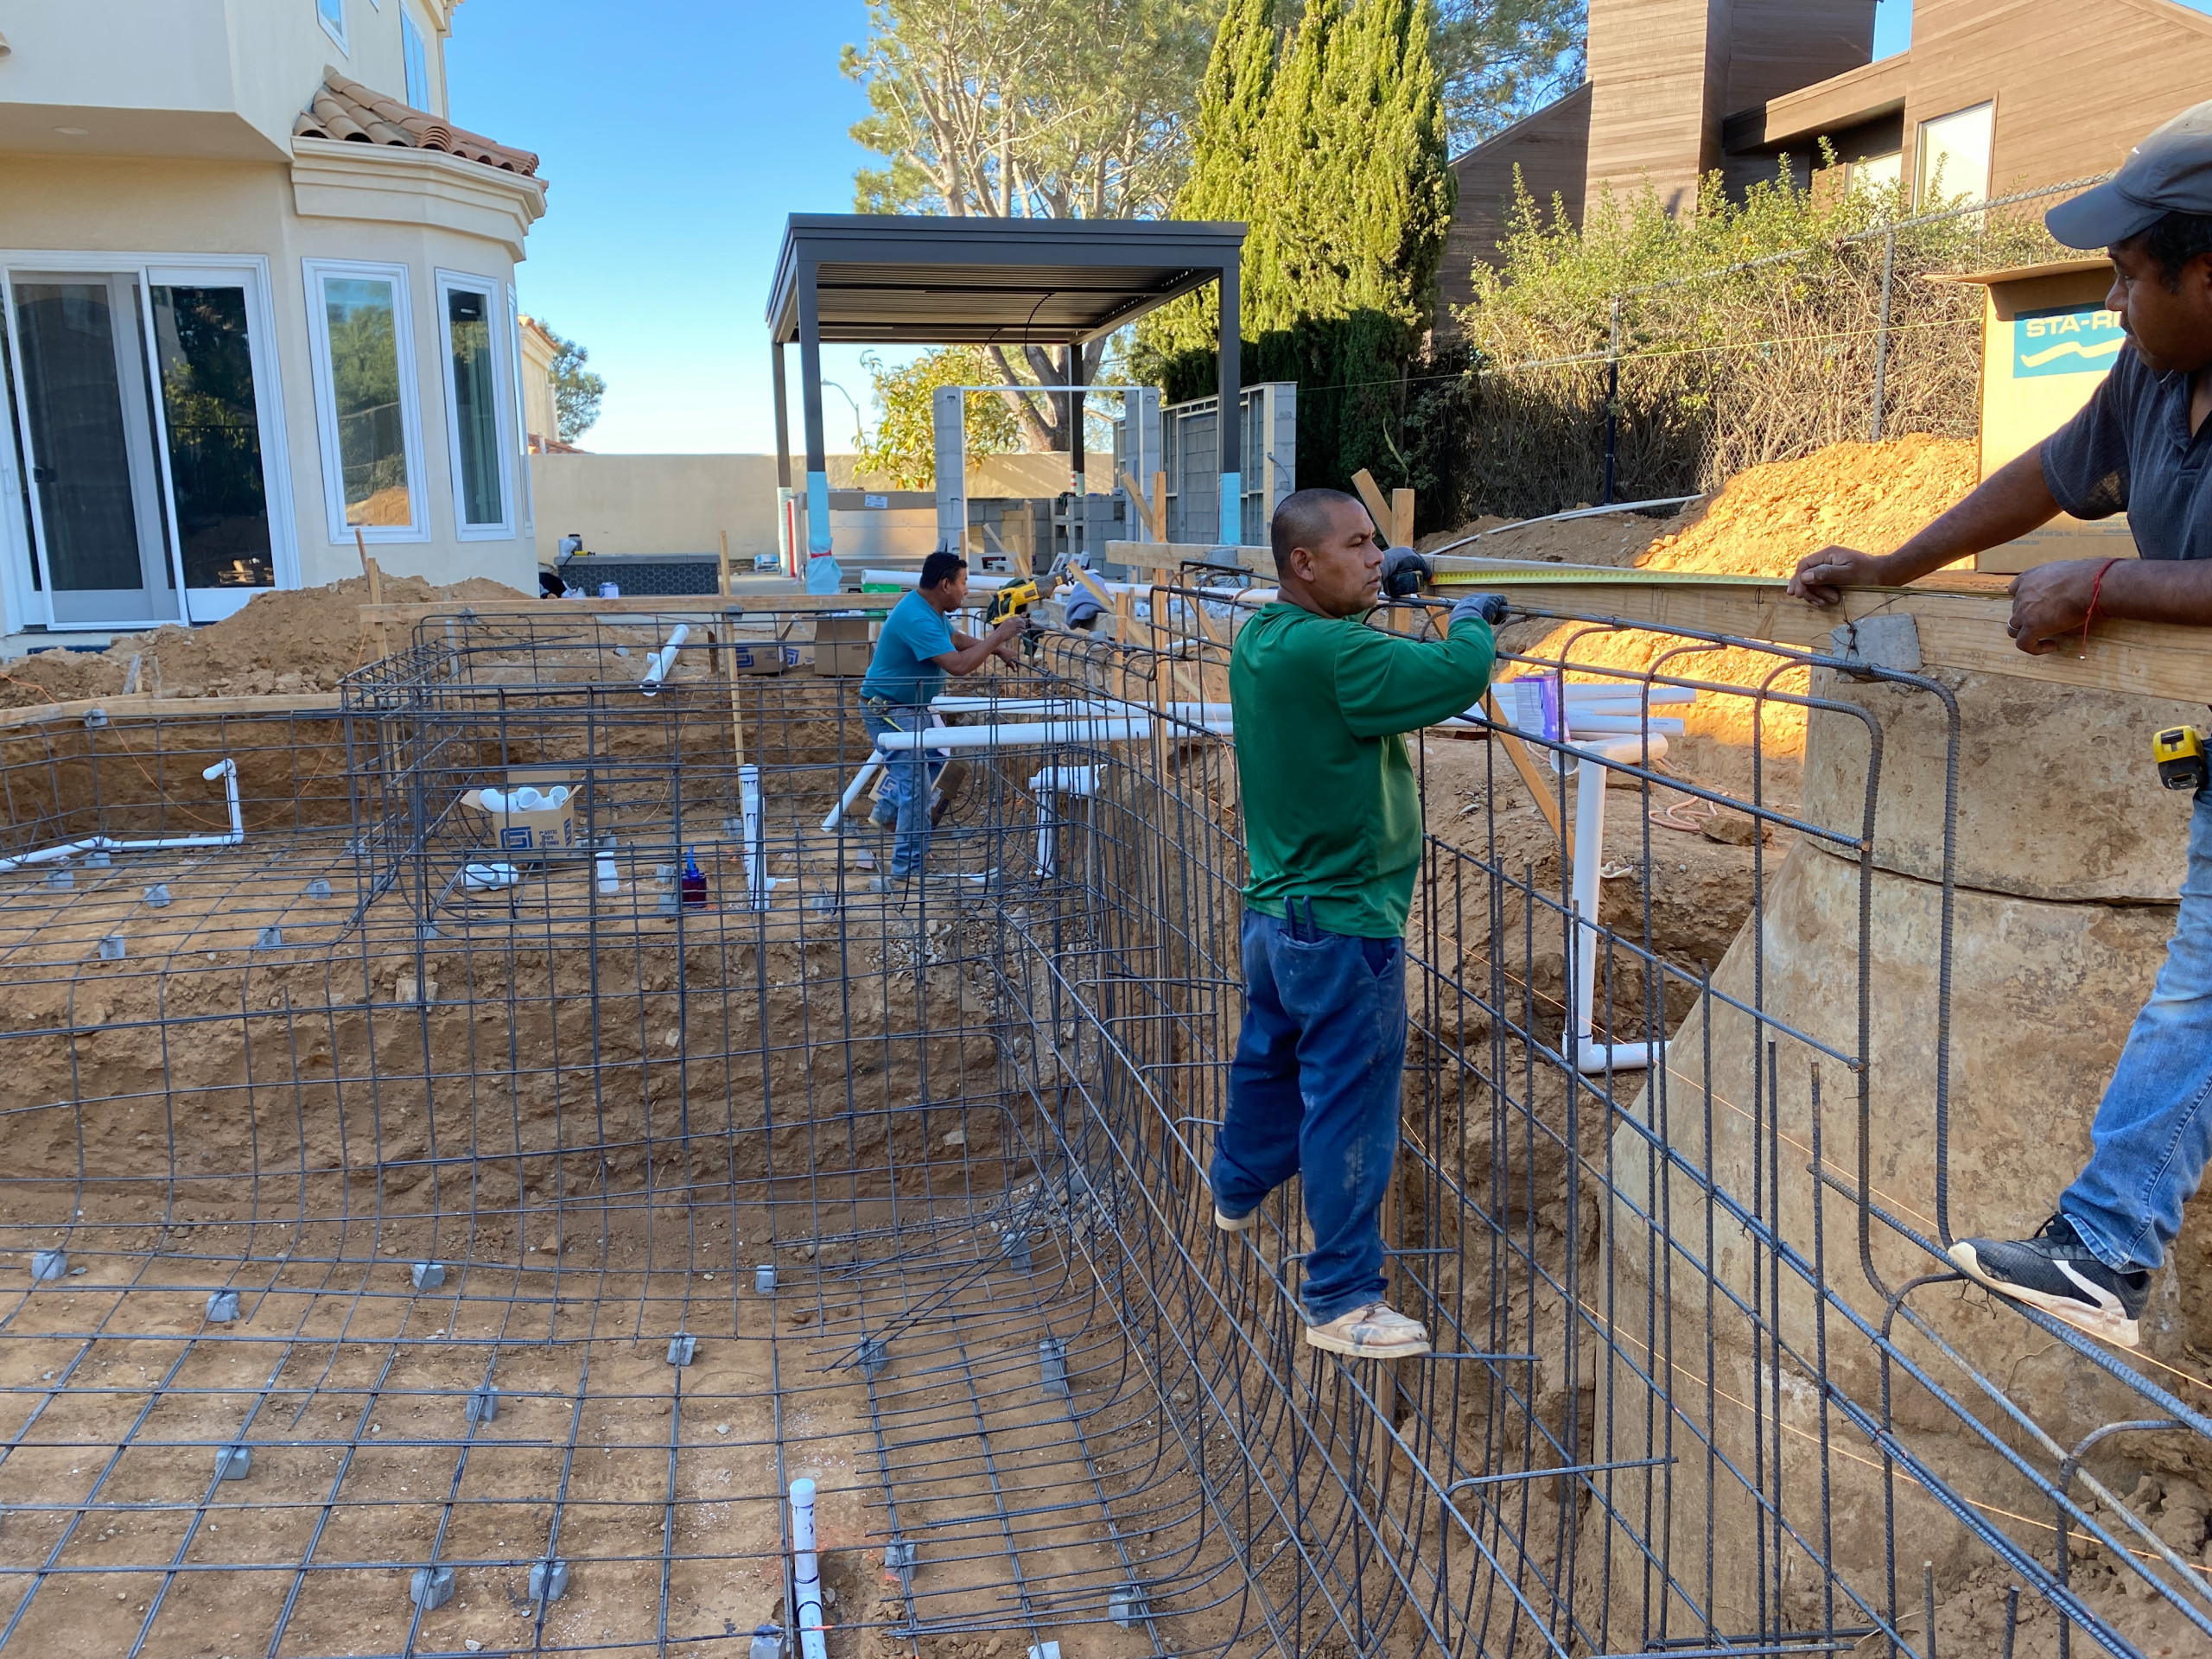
{"x":1332,"y":153}
{"x":1232,"y":106}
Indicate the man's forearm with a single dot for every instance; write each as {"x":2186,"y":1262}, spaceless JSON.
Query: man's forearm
{"x":2153,"y":590}
{"x":2008,"y":504}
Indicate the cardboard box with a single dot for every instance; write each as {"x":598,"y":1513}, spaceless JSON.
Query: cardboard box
{"x":843,"y":646}
{"x":764,"y":657}
{"x":549,"y":828}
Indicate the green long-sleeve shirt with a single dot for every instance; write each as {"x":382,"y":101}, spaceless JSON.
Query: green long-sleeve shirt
{"x":1331,"y":812}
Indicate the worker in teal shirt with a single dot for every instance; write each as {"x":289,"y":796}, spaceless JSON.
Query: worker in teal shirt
{"x":917,"y":649}
{"x":1332,"y":830}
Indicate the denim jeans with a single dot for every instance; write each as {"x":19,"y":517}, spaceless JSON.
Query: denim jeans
{"x":2153,"y":1131}
{"x":909,"y":777}
{"x":1314,"y":1091}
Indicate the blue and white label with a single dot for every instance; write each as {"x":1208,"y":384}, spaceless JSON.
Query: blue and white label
{"x":2065,"y":339}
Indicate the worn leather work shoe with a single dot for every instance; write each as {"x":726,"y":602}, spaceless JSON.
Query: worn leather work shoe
{"x":1244,"y":1224}
{"x":1375,"y":1331}
{"x":2053,"y":1271}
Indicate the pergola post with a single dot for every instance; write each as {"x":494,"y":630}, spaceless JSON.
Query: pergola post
{"x":822,"y":575}
{"x":785,"y":539}
{"x":1232,"y":417}
{"x":1078,"y":513}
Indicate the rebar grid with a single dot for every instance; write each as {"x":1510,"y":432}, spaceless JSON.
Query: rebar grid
{"x":453,"y":1150}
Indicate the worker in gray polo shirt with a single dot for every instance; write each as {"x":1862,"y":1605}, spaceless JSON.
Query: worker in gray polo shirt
{"x":2141,"y":446}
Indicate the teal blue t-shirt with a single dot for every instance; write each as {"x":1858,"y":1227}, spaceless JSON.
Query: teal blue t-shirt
{"x":901,"y":670}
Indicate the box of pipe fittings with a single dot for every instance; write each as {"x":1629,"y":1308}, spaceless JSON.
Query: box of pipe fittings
{"x":764,"y":656}
{"x":843,"y":646}
{"x":534,"y":813}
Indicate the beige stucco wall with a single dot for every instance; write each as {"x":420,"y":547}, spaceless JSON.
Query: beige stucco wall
{"x":678,"y":504}
{"x":135,"y":209}
{"x":202,"y":78}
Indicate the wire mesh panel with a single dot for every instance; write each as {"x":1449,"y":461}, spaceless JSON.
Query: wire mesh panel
{"x":417,"y":1240}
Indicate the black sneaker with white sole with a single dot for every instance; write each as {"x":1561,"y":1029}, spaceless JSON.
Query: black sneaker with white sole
{"x":2056,"y":1272}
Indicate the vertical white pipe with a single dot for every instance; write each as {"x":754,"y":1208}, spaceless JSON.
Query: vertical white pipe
{"x":756,"y":857}
{"x":1589,"y":857}
{"x":806,"y":1574}
{"x":1047,"y":799}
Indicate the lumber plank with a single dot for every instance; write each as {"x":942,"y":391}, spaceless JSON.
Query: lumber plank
{"x":672,"y":605}
{"x":1961,"y":626}
{"x":1371,"y":492}
{"x":1166,"y":558}
{"x":314,"y":704}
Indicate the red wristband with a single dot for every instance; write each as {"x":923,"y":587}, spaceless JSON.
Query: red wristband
{"x":2096,"y":588}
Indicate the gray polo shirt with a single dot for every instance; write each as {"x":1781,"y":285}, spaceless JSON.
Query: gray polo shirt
{"x":2130,"y":451}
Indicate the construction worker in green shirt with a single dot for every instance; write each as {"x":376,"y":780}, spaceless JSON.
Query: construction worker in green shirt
{"x":1333,"y":829}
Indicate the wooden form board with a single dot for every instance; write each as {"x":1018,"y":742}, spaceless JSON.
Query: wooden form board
{"x":313,"y":705}
{"x":1160,"y":559}
{"x":1962,"y":626}
{"x":680,"y":606}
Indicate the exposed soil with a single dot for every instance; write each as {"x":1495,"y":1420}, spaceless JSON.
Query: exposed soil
{"x":304,"y":640}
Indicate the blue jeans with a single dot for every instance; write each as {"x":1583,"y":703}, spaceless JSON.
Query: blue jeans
{"x":1314,"y":1091}
{"x":909,"y":777}
{"x":2153,"y":1131}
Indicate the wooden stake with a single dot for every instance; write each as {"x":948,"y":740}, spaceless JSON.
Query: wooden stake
{"x":1372,"y":493}
{"x":1401,"y":517}
{"x":724,"y":588}
{"x":376,"y":590}
{"x":1145,"y":509}
{"x":1159,"y":501}
{"x":1517,"y":752}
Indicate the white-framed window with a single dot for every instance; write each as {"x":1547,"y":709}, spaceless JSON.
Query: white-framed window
{"x":1877,"y":174}
{"x":479,"y":418}
{"x":1954,"y":155}
{"x":368,"y":413}
{"x":520,"y":437}
{"x":331,"y":13}
{"x":418,"y":60}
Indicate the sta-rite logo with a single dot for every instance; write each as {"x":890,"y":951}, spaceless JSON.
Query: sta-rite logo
{"x":2065,"y":339}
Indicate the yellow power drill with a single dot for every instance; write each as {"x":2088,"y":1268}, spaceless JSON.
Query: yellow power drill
{"x":2179,"y":750}
{"x":1013,"y":599}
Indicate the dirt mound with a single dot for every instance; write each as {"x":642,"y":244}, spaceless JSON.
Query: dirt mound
{"x":304,"y":640}
{"x":1866,"y":495}
{"x":1871,"y":496}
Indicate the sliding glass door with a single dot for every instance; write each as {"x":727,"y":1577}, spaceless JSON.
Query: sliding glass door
{"x":140,"y":410}
{"x":88,"y":429}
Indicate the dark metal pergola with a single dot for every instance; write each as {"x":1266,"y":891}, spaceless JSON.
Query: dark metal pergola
{"x":886,"y":279}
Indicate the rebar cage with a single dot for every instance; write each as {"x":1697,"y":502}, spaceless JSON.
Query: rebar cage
{"x":408,"y":1257}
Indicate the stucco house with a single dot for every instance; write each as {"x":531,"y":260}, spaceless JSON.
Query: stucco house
{"x":258,"y":297}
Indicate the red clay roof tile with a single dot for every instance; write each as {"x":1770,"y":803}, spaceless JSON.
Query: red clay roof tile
{"x":346,"y":110}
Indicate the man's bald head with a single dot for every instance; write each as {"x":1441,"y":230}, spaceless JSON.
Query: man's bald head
{"x":1328,"y":559}
{"x":1305,"y":518}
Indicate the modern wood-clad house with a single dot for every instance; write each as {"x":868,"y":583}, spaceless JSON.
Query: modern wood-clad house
{"x":1994,"y":95}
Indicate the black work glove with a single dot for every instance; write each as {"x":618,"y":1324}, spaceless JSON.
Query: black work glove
{"x":1490,"y":607}
{"x":1403,"y":572}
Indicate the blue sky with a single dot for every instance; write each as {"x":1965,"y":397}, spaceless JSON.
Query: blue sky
{"x":677,"y":134}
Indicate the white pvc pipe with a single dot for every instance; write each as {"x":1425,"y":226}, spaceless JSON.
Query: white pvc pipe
{"x":658,"y":663}
{"x":1589,"y":860}
{"x":756,"y":856}
{"x":1580,"y":724}
{"x":1048,"y":786}
{"x":806,"y":1574}
{"x":226,"y":769}
{"x":869,"y":767}
{"x":1037,"y":732}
